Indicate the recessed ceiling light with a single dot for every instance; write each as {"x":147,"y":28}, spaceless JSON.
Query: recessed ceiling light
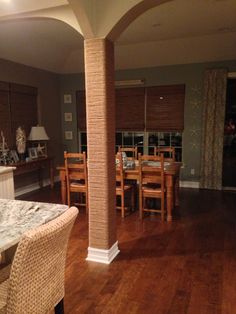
{"x":226,"y":29}
{"x":156,"y":25}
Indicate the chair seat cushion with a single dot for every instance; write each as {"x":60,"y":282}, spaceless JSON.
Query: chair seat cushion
{"x":3,"y":296}
{"x":151,"y":189}
{"x":126,"y":187}
{"x":77,"y":184}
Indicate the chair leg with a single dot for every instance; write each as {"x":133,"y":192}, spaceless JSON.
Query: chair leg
{"x":122,"y":206}
{"x":162,"y":210}
{"x":133,"y":199}
{"x":86,"y":200}
{"x":59,"y":308}
{"x":140,"y":206}
{"x":68,"y":199}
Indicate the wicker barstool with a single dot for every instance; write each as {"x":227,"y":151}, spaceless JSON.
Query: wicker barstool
{"x":36,"y":282}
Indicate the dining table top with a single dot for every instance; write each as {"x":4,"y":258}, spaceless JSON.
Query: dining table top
{"x":169,"y":167}
{"x":17,"y":217}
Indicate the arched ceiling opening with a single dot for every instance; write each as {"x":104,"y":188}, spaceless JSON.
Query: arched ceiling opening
{"x":42,"y":43}
{"x":168,"y":32}
{"x":133,"y":13}
{"x":179,"y":32}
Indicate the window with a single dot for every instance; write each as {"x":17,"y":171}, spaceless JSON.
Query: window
{"x":145,"y":117}
{"x":132,"y":139}
{"x":161,"y":139}
{"x":18,"y":107}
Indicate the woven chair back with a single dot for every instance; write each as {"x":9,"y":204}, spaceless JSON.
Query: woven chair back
{"x":36,"y":282}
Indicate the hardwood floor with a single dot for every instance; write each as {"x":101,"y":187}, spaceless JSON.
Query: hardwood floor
{"x":187,"y":266}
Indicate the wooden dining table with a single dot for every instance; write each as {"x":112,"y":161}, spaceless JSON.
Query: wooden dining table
{"x":171,"y":171}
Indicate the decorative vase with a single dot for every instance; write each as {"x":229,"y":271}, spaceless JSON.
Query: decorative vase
{"x":20,"y":142}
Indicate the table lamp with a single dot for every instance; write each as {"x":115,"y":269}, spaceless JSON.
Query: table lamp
{"x":39,"y":137}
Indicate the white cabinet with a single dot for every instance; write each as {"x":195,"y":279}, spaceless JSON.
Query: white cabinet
{"x":7,"y":183}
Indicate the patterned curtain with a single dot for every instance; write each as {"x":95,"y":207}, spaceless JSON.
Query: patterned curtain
{"x":215,"y":83}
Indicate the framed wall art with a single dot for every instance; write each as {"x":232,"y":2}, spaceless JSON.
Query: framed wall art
{"x":68,"y":116}
{"x":68,"y":135}
{"x":67,"y":99}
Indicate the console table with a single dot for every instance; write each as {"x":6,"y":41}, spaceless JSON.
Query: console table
{"x":36,"y":165}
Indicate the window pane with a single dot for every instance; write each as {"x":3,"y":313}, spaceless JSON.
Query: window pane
{"x":140,"y":150}
{"x":164,"y":139}
{"x":178,"y":154}
{"x":153,"y":139}
{"x":84,"y":149}
{"x":176,"y":139}
{"x":138,"y":139}
{"x":119,"y":138}
{"x":151,"y":151}
{"x":83,"y":138}
{"x":128,"y":139}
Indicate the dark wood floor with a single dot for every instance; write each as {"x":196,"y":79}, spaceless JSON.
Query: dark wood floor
{"x":187,"y":266}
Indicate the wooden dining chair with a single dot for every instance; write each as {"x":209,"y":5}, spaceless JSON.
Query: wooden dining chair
{"x":36,"y":282}
{"x":168,"y":152}
{"x":151,"y":183}
{"x":132,"y":152}
{"x":122,"y":187}
{"x":76,"y":177}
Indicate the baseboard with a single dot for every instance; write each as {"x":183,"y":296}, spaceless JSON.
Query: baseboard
{"x":33,"y":187}
{"x":229,"y":188}
{"x":103,"y":256}
{"x":189,"y":184}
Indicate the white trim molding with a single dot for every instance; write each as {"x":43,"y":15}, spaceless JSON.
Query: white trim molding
{"x":229,"y":188}
{"x":137,"y":82}
{"x":33,"y":187}
{"x":103,"y":256}
{"x":232,"y":75}
{"x":189,"y":184}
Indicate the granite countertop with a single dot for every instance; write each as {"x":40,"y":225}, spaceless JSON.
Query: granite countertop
{"x":4,"y":169}
{"x":17,"y":217}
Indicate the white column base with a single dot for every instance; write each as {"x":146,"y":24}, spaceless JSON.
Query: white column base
{"x":103,"y":256}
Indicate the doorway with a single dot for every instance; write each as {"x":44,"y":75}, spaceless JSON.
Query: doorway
{"x":229,"y":151}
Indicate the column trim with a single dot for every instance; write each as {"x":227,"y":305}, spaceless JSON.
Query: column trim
{"x":103,"y":256}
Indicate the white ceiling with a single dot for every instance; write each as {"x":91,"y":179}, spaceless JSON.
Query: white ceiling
{"x":181,"y":31}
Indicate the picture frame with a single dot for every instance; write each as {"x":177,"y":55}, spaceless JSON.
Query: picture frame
{"x":68,"y":116}
{"x":33,"y":152}
{"x":41,"y":151}
{"x":68,"y":135}
{"x":14,"y":156}
{"x":67,"y":99}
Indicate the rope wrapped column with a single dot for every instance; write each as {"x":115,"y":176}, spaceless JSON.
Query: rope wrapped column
{"x":100,"y":110}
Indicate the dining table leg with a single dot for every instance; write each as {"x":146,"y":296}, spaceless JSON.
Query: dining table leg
{"x":176,"y":199}
{"x":169,"y":197}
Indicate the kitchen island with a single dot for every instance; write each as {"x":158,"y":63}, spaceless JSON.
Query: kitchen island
{"x":7,"y":182}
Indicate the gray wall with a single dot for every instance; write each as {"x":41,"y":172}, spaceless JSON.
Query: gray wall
{"x":48,"y":100}
{"x":52,"y":87}
{"x":69,"y":84}
{"x":191,"y":75}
